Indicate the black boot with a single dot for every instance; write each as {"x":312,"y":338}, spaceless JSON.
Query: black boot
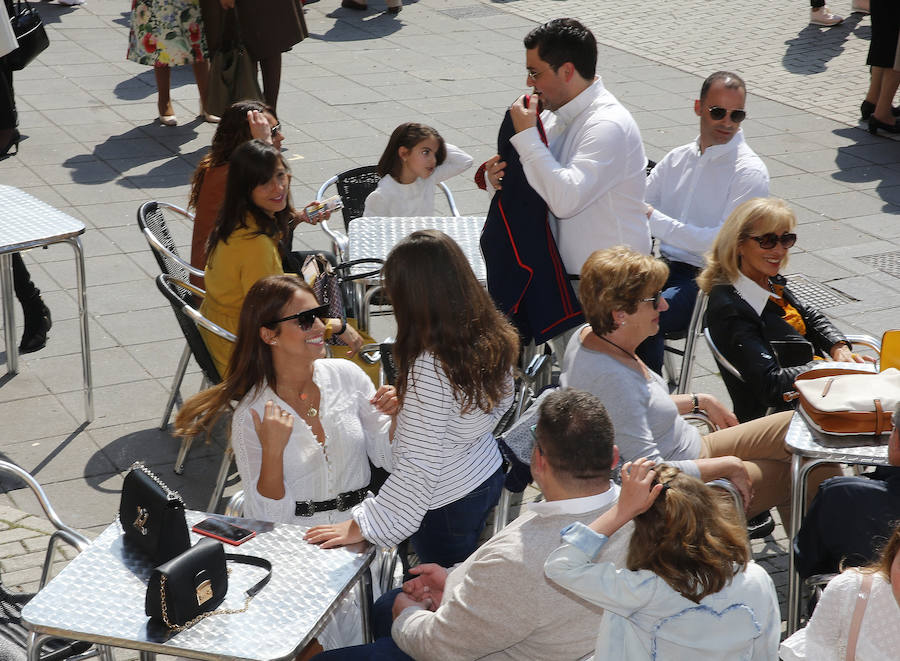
{"x":37,"y":324}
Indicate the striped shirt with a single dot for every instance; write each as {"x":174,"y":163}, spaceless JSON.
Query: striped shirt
{"x":440,"y":455}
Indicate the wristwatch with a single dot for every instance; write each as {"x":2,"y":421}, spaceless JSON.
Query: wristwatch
{"x":695,"y":401}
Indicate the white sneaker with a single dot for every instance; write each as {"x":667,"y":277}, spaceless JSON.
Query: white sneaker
{"x":860,"y":7}
{"x":70,"y":2}
{"x":823,"y":16}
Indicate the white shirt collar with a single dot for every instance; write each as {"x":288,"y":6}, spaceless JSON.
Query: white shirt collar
{"x":751,"y":292}
{"x":573,"y":108}
{"x":714,"y":152}
{"x":577,"y":505}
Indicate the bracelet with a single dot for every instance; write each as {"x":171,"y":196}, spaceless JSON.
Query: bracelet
{"x":343,"y":327}
{"x":696,"y":403}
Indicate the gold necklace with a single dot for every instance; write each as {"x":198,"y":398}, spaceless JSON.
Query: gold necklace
{"x":311,"y":411}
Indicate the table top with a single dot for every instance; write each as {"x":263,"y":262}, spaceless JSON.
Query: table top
{"x":27,"y":222}
{"x":808,"y":442}
{"x":99,"y":597}
{"x":374,"y":237}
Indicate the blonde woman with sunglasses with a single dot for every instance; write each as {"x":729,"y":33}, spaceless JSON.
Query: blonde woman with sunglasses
{"x":755,"y":320}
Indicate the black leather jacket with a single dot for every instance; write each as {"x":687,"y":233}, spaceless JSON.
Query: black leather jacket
{"x":746,"y":340}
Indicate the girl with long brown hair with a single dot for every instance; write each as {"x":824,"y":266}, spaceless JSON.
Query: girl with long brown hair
{"x":690,"y":588}
{"x":455,"y":353}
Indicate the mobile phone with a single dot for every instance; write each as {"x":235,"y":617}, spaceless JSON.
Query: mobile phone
{"x":223,"y":531}
{"x":314,"y":211}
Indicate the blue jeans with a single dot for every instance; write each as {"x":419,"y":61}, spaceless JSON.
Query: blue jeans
{"x":680,"y":292}
{"x":449,"y":534}
{"x":384,"y":648}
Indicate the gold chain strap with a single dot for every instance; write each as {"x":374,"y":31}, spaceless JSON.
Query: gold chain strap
{"x":187,"y":625}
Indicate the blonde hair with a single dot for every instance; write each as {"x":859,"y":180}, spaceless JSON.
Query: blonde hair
{"x":617,"y":279}
{"x":754,"y":217}
{"x":690,"y":537}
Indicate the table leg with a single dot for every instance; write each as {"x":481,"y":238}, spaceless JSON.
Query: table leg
{"x":365,"y":604}
{"x":799,"y":479}
{"x":9,"y":313}
{"x":147,"y":656}
{"x":85,"y":335}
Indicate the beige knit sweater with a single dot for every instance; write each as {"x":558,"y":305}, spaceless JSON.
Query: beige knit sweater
{"x":498,"y":605}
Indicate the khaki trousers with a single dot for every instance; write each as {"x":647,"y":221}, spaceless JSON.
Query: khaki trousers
{"x":760,"y":444}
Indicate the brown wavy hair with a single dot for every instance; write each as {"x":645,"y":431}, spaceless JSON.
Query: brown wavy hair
{"x":617,"y":279}
{"x":233,"y":131}
{"x":886,"y":556}
{"x":440,"y":307}
{"x":690,"y":537}
{"x":250,"y":366}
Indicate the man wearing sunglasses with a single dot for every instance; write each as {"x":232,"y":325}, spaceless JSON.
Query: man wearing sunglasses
{"x":691,"y":192}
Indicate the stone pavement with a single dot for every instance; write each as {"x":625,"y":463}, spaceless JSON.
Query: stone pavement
{"x":92,"y":148}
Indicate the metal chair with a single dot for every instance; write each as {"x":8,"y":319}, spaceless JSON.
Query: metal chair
{"x":14,"y":637}
{"x":180,"y":295}
{"x":354,"y":187}
{"x":151,"y":218}
{"x":685,"y":373}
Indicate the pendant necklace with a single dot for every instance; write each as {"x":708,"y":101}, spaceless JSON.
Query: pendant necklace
{"x":311,"y":411}
{"x":627,"y":353}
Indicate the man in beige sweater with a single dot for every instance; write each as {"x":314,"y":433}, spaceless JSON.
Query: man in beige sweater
{"x":498,"y":604}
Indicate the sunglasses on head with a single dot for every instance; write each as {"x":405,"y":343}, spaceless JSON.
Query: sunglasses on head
{"x":767,"y":241}
{"x":717,"y":113}
{"x":276,"y":129}
{"x":653,"y":299}
{"x":305,"y":319}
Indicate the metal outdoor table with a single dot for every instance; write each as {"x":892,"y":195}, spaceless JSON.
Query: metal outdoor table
{"x":375,"y":237}
{"x":99,"y":597}
{"x":811,"y":448}
{"x":26,"y":222}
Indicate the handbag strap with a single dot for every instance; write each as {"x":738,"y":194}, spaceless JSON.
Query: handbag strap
{"x":862,"y":599}
{"x":256,"y":561}
{"x":344,"y":267}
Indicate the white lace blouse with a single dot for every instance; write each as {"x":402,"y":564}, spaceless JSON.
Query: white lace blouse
{"x":825,"y":637}
{"x":355,"y":431}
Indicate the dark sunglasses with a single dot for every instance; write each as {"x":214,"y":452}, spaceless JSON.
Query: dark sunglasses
{"x":653,"y":299}
{"x":277,"y":129}
{"x":767,"y":241}
{"x":305,"y":319}
{"x":717,"y":113}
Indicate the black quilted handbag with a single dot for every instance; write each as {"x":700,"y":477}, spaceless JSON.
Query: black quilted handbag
{"x":30,"y":33}
{"x":152,"y":515}
{"x":191,"y":586}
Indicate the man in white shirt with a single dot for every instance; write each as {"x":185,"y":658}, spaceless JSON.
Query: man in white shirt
{"x":691,"y":192}
{"x":592,"y":174}
{"x":498,"y":605}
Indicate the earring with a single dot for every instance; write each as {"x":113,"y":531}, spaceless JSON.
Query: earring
{"x":621,"y":323}
{"x":273,"y":342}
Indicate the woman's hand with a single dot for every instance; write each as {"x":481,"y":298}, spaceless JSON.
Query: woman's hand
{"x":385,"y":400}
{"x":337,"y":534}
{"x":274,"y":430}
{"x":720,"y":415}
{"x":259,"y":125}
{"x":737,"y":474}
{"x":352,"y":339}
{"x":841,"y":353}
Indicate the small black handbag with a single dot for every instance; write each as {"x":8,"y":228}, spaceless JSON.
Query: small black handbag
{"x":30,"y":33}
{"x":191,"y":586}
{"x":152,"y":515}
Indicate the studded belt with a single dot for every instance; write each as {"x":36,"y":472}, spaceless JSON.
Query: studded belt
{"x":342,"y":503}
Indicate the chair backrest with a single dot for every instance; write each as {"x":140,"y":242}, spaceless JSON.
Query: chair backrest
{"x":354,"y":187}
{"x":179,"y":294}
{"x":889,"y":355}
{"x":720,"y":357}
{"x":151,"y":217}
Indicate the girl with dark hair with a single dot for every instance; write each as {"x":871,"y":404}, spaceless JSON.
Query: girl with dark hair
{"x":305,"y":426}
{"x":246,"y":243}
{"x":690,"y":589}
{"x":455,"y":353}
{"x":241,"y":122}
{"x":415,"y":160}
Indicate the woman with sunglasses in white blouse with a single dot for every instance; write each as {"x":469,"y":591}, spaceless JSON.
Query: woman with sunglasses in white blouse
{"x":755,"y":320}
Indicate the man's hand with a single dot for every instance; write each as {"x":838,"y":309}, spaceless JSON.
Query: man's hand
{"x":428,"y":583}
{"x":404,"y":601}
{"x":493,"y":170}
{"x":523,"y":117}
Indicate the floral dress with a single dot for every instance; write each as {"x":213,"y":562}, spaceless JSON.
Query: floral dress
{"x":166,"y":33}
